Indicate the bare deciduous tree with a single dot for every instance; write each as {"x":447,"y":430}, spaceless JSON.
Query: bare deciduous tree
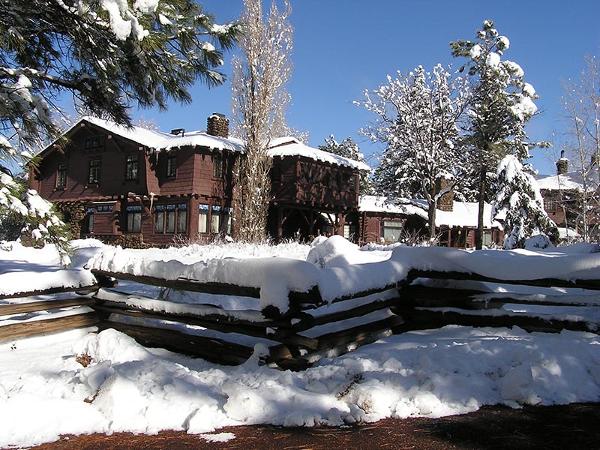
{"x":260,"y":100}
{"x":582,"y":106}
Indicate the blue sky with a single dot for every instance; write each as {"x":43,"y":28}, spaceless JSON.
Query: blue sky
{"x":343,"y":47}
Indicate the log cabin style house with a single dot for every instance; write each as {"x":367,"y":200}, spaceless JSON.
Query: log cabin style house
{"x":135,"y":186}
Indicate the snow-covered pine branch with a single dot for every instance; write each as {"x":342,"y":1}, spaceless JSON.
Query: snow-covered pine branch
{"x":418,"y":117}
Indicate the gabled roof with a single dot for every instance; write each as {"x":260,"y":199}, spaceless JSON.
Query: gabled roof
{"x":160,"y":141}
{"x":463,"y":214}
{"x":567,"y":182}
{"x":290,"y":146}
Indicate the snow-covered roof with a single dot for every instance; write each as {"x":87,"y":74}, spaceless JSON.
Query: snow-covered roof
{"x":463,"y":214}
{"x":166,"y":141}
{"x":290,"y":146}
{"x":566,"y":233}
{"x":568,"y":181}
{"x":380,"y":204}
{"x":158,"y":140}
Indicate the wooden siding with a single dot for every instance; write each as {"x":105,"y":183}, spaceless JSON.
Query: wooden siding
{"x":112,"y":151}
{"x":371,"y":225}
{"x":303,"y":181}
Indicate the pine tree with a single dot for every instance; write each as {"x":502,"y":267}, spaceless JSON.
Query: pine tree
{"x":349,"y":149}
{"x":518,"y":196}
{"x":417,"y":120}
{"x":502,"y":104}
{"x":109,"y":55}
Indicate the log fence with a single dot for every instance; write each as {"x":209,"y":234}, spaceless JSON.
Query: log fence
{"x":310,"y":330}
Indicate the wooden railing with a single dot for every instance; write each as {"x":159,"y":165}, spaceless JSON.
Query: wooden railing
{"x":310,"y":329}
{"x":80,"y":314}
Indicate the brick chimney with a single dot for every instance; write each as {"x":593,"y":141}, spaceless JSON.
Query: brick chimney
{"x":562,"y":165}
{"x":446,"y":201}
{"x":217,"y":125}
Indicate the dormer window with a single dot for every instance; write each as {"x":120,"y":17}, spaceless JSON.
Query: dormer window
{"x":61,"y":176}
{"x":171,"y":166}
{"x":131,"y":168}
{"x":94,"y":171}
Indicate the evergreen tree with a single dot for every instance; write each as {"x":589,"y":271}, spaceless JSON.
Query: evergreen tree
{"x":349,"y":149}
{"x":417,"y":120}
{"x":109,"y":55}
{"x":502,"y":103}
{"x":518,"y":196}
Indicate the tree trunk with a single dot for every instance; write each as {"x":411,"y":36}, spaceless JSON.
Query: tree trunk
{"x":481,"y":212}
{"x":431,"y":217}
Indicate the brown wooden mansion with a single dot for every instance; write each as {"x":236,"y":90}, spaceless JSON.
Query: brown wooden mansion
{"x":135,"y":186}
{"x":132,"y":185}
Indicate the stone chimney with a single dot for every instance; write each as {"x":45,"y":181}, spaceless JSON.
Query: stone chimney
{"x":217,"y":125}
{"x":562,"y":165}
{"x":446,"y":201}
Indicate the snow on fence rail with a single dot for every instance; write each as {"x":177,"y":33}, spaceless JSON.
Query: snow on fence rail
{"x":294,"y":312}
{"x":60,"y":309}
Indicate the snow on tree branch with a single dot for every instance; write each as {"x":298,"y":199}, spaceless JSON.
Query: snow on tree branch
{"x":418,"y":118}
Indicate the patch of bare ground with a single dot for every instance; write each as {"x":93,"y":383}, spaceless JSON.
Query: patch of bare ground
{"x":548,"y":427}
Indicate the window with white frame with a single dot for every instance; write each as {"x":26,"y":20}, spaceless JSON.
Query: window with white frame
{"x":392,"y":230}
{"x":134,"y":219}
{"x":170,"y":219}
{"x":215,"y":219}
{"x":203,"y":218}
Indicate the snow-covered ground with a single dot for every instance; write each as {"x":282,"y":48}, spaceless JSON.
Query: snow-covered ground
{"x":46,"y":392}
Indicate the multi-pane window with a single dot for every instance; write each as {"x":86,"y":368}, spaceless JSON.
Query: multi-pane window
{"x":92,"y":143}
{"x":171,"y":166}
{"x":170,"y":219}
{"x":61,"y":176}
{"x":203,"y":219}
{"x":551,"y":205}
{"x":94,"y":171}
{"x":392,"y":230}
{"x":487,"y":238}
{"x":131,"y":168}
{"x":217,"y":165}
{"x":134,"y":219}
{"x":215,"y":220}
{"x":182,"y":219}
{"x":159,"y":220}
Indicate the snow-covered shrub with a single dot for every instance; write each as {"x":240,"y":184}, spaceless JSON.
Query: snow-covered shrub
{"x":537,"y":242}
